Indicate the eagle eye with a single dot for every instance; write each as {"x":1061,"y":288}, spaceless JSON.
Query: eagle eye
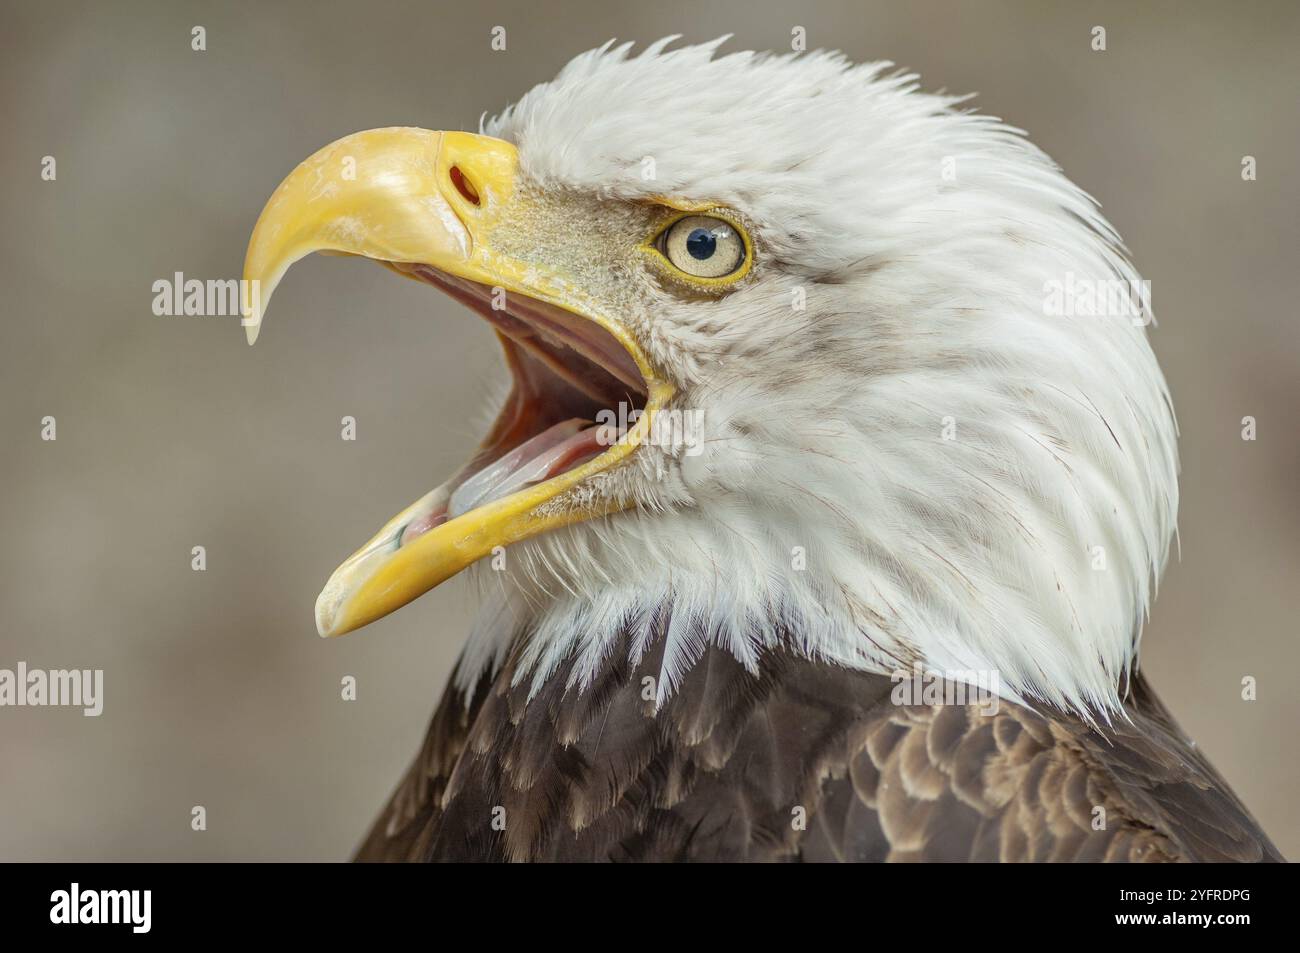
{"x":703,"y":246}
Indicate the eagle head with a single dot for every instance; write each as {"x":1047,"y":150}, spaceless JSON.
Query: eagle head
{"x":799,"y":357}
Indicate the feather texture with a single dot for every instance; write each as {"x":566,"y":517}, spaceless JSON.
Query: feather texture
{"x":800,"y":761}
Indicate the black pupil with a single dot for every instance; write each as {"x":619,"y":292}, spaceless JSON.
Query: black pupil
{"x":701,"y":243}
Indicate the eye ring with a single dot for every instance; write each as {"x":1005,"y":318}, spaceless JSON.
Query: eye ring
{"x":705,"y":249}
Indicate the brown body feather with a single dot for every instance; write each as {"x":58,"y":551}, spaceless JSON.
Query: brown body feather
{"x":805,"y":761}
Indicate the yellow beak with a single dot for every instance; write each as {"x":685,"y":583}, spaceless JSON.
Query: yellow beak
{"x":408,"y":197}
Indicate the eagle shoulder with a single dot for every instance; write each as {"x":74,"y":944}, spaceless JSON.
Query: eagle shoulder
{"x":801,"y":761}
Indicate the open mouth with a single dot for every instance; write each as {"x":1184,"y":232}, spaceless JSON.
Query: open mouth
{"x":575,"y":391}
{"x":429,"y":205}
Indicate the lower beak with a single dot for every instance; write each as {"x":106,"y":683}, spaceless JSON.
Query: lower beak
{"x":408,"y":197}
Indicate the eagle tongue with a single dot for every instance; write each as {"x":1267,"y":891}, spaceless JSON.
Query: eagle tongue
{"x":529,"y":462}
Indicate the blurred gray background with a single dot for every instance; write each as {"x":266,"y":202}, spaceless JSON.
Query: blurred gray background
{"x":173,"y":433}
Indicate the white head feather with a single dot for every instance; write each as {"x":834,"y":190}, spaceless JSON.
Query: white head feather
{"x":975,"y":483}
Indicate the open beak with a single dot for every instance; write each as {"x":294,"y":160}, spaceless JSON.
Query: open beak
{"x":426,"y":204}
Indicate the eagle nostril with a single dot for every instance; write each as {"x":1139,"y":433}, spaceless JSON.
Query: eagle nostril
{"x":464,"y":186}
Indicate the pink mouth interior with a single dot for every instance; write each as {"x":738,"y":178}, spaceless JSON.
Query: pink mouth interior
{"x":565,"y":370}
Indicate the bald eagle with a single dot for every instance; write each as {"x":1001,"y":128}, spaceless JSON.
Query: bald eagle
{"x":814,"y":525}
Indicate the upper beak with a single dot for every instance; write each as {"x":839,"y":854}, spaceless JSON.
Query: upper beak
{"x":394,"y":195}
{"x":408,"y":196}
